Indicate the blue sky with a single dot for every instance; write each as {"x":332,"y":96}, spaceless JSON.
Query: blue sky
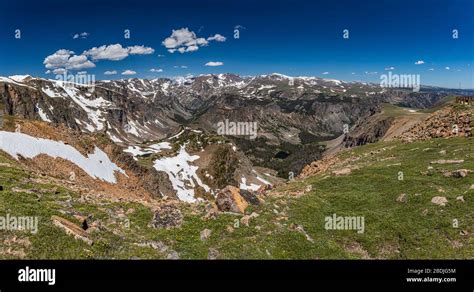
{"x":291,"y":37}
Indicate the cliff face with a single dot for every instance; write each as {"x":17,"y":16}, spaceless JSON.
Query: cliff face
{"x":368,"y":131}
{"x":287,"y":121}
{"x":19,"y":100}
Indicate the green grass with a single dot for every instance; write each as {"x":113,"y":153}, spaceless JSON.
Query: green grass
{"x":392,"y":230}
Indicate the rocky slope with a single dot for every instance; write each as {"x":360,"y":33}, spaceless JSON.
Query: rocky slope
{"x":451,"y":121}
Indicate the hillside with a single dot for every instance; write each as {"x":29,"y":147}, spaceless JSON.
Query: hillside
{"x":415,"y":197}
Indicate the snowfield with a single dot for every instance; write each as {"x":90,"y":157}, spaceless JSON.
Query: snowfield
{"x":9,"y":80}
{"x":161,"y":145}
{"x":93,"y":107}
{"x":97,"y":164}
{"x":182,"y":175}
{"x":136,"y":151}
{"x":154,"y":148}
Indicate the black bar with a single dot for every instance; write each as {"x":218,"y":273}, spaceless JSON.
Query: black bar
{"x":321,"y":273}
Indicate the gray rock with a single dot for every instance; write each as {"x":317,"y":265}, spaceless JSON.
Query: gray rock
{"x":212,"y":254}
{"x":250,"y":197}
{"x":440,"y":201}
{"x":402,"y":198}
{"x":168,"y":216}
{"x":460,"y":173}
{"x":205,"y":234}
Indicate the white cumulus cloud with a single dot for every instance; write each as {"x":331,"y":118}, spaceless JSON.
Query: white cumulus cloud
{"x":116,"y":52}
{"x":217,"y":37}
{"x":113,"y":72}
{"x":59,"y":71}
{"x":82,"y":35}
{"x":213,"y":64}
{"x":111,"y":52}
{"x":129,"y":72}
{"x":66,"y":59}
{"x":389,"y":68}
{"x":420,"y":62}
{"x":156,"y":70}
{"x":184,"y":41}
{"x":140,"y":50}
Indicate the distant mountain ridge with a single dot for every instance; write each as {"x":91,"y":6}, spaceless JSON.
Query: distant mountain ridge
{"x":134,"y":110}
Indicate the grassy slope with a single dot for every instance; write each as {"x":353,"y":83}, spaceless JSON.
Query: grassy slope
{"x":392,"y":229}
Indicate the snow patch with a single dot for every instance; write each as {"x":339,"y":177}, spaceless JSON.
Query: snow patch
{"x":19,"y":78}
{"x":244,"y":186}
{"x":136,"y":151}
{"x":97,"y":164}
{"x":182,"y":175}
{"x":91,"y":106}
{"x":161,"y":145}
{"x":42,"y":114}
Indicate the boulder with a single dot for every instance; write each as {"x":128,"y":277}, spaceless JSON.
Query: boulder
{"x":71,"y":229}
{"x":230,"y":200}
{"x":212,"y":254}
{"x":211,"y":212}
{"x":440,"y":201}
{"x":460,"y":173}
{"x":83,"y":220}
{"x":250,"y":197}
{"x":167,"y":216}
{"x":402,"y":198}
{"x":205,"y":234}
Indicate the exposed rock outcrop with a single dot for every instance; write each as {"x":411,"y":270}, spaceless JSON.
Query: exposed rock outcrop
{"x":230,"y":200}
{"x":447,"y":122}
{"x":368,"y":131}
{"x":167,"y":216}
{"x":71,"y":229}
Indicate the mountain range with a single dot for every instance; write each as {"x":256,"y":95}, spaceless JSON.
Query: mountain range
{"x":148,"y":118}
